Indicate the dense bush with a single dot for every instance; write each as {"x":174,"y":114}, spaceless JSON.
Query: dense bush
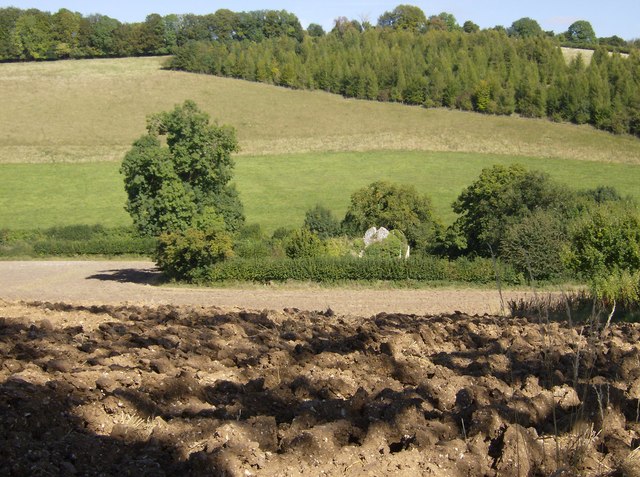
{"x":606,"y":238}
{"x":535,"y":244}
{"x":601,"y":194}
{"x":395,"y":207}
{"x":108,"y":246}
{"x":251,"y":242}
{"x":75,"y":232}
{"x":342,"y":246}
{"x":321,"y":221}
{"x":302,"y":243}
{"x":393,"y":247}
{"x":605,"y":251}
{"x":501,"y":197}
{"x":330,"y":270}
{"x":183,"y":254}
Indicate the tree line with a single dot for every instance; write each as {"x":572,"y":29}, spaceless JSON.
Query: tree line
{"x":406,"y":57}
{"x":37,"y":35}
{"x":486,"y":71}
{"x":33,"y":34}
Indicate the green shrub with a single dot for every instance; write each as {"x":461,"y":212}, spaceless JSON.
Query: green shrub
{"x":340,"y":247}
{"x":281,"y":233}
{"x":605,"y":238}
{"x":393,"y":247}
{"x":500,"y":197}
{"x":332,"y":269}
{"x":76,"y":240}
{"x":5,"y":236}
{"x":534,"y":246}
{"x":251,"y":231}
{"x":395,"y":207}
{"x":183,"y":255}
{"x":321,"y":221}
{"x":601,"y":194}
{"x":252,"y":248}
{"x":605,"y":250}
{"x":302,"y":243}
{"x":251,"y":242}
{"x":75,"y":232}
{"x":108,"y":246}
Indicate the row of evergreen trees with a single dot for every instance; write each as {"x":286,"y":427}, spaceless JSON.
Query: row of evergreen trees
{"x":487,"y":72}
{"x":406,"y":58}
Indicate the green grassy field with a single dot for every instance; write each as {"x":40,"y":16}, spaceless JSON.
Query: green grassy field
{"x":277,"y":190}
{"x":65,"y":126}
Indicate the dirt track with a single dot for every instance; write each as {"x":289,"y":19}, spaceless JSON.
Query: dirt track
{"x":114,"y":282}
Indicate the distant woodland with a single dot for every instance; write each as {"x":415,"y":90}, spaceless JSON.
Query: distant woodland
{"x":405,"y":57}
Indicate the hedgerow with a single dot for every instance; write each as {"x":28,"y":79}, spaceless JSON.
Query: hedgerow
{"x":338,"y":269}
{"x":75,"y":240}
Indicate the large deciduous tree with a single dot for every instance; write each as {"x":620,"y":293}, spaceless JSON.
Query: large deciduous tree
{"x":404,"y":17}
{"x":525,"y":27}
{"x":444,"y":21}
{"x":179,"y":172}
{"x":32,"y":36}
{"x":501,"y":197}
{"x":581,"y":32}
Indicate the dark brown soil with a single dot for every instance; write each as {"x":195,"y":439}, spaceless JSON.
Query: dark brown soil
{"x":134,"y":390}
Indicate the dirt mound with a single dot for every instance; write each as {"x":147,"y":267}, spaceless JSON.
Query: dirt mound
{"x":130,"y":390}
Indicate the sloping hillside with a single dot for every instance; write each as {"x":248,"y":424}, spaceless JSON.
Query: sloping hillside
{"x":92,"y":110}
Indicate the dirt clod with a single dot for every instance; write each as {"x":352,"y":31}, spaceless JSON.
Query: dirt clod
{"x":142,"y":390}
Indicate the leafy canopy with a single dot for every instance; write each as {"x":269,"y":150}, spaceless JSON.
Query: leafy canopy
{"x":170,"y":185}
{"x":605,"y":250}
{"x":501,"y":197}
{"x":186,"y":254}
{"x":404,"y":17}
{"x":525,"y":27}
{"x":581,"y":32}
{"x":321,"y":221}
{"x":606,"y":238}
{"x":535,"y":244}
{"x":395,"y":207}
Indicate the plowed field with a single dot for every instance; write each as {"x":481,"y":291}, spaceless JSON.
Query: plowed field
{"x":163,"y":390}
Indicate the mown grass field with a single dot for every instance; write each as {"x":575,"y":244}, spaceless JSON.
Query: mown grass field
{"x":277,"y":190}
{"x":64,"y":127}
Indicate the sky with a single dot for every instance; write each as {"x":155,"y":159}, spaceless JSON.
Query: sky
{"x":608,"y":18}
